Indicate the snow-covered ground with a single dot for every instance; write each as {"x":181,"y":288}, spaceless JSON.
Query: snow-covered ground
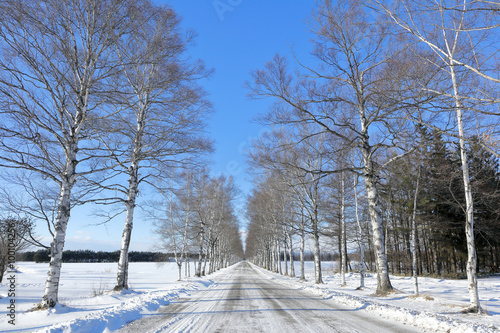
{"x":438,"y":307}
{"x":155,"y":285}
{"x":87,"y":304}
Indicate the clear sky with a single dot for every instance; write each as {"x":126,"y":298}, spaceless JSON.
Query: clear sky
{"x":234,"y":37}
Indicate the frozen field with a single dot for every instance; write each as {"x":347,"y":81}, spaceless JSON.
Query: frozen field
{"x":89,"y":306}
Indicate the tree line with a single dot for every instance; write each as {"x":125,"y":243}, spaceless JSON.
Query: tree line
{"x":100,"y":102}
{"x":441,"y":241}
{"x":385,"y":142}
{"x":82,"y":256}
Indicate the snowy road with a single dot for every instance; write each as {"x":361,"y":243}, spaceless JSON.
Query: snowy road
{"x":244,"y":300}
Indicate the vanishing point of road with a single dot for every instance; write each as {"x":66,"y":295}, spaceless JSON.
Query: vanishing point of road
{"x":245,"y":300}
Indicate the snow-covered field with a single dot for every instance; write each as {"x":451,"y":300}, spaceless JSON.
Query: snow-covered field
{"x":88,"y":306}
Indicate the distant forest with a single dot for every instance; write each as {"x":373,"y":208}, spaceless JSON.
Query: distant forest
{"x":93,"y":256}
{"x":134,"y":256}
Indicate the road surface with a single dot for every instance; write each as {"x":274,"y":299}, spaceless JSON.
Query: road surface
{"x":244,"y":300}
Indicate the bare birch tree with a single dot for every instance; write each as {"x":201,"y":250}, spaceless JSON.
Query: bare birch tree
{"x":175,"y":220}
{"x":455,"y":32}
{"x":164,"y":110}
{"x":55,"y":57}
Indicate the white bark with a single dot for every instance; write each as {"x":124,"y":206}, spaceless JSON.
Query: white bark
{"x":50,"y":297}
{"x":317,"y":254}
{"x":302,"y":248}
{"x":474,"y":304}
{"x":343,"y":232}
{"x":317,"y":262}
{"x":184,"y":255}
{"x":122,"y":275}
{"x":201,"y":240}
{"x":290,"y":253}
{"x":383,"y":282}
{"x":361,"y":237}
{"x":275,"y":258}
{"x":413,"y":244}
{"x":278,"y":256}
{"x":207,"y":257}
{"x":285,"y":254}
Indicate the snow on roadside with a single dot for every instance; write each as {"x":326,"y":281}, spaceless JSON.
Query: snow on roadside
{"x":113,"y":318}
{"x":88,"y":308}
{"x":405,"y":309}
{"x":85,"y":304}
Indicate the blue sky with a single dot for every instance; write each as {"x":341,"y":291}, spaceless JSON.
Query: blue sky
{"x":235,"y":40}
{"x":234,"y":37}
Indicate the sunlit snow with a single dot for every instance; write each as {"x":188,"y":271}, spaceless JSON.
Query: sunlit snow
{"x":87,"y":305}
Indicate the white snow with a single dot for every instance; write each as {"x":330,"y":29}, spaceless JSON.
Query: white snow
{"x":438,"y":309}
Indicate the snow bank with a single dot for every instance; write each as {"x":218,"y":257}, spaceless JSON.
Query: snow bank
{"x":111,"y":319}
{"x":86,"y":304}
{"x":410,"y":313}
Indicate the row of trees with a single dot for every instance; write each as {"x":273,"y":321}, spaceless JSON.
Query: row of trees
{"x":199,"y":217}
{"x":99,"y":102}
{"x":93,"y":256}
{"x":389,"y":82}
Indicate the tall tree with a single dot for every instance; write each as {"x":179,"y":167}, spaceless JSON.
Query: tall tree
{"x":454,"y":31}
{"x":164,"y":110}
{"x":55,"y":58}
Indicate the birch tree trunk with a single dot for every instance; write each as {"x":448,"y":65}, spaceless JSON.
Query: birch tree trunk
{"x":50,"y":297}
{"x":343,"y":231}
{"x":122,"y":275}
{"x":383,"y":282}
{"x":413,"y":244}
{"x":290,"y":253}
{"x":184,"y":254}
{"x":207,"y":257}
{"x":361,"y":238}
{"x":200,"y":249}
{"x":474,"y":305}
{"x":285,"y":254}
{"x":274,"y":258}
{"x":302,"y":249}
{"x":317,"y":254}
{"x":278,"y":256}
